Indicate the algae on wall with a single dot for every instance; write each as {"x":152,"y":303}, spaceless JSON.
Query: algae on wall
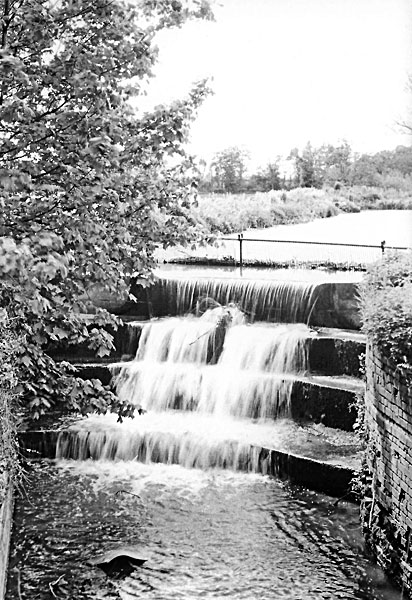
{"x":386,"y":506}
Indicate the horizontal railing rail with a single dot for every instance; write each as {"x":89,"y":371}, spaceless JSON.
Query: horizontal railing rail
{"x":382,"y":245}
{"x":241,"y":239}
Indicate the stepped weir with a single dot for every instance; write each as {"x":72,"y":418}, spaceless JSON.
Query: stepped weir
{"x":234,"y":381}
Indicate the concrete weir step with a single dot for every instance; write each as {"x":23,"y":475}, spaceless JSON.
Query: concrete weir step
{"x":334,"y":351}
{"x":315,"y":456}
{"x":321,"y":399}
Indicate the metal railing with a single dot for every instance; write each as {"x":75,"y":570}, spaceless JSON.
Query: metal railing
{"x":241,"y":239}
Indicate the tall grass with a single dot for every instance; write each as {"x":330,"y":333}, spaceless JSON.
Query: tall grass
{"x":228,"y":213}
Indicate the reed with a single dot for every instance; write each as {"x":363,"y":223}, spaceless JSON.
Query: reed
{"x":228,"y":213}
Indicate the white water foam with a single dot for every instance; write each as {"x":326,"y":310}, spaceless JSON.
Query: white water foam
{"x":202,"y":414}
{"x":200,"y":441}
{"x":253,"y":376}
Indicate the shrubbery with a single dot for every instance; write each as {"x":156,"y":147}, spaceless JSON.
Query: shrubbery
{"x":386,"y":305}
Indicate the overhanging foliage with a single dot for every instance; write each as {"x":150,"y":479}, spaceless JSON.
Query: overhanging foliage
{"x":90,"y":186}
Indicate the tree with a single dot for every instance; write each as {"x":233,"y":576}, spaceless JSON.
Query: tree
{"x":387,"y":166}
{"x":324,"y":165}
{"x":337,"y":161}
{"x":88,"y":192}
{"x":228,"y":168}
{"x":307,"y":166}
{"x":363,"y":171}
{"x":266,"y":179}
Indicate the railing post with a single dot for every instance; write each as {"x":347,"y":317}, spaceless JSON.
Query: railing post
{"x":240,"y":238}
{"x":383,"y":247}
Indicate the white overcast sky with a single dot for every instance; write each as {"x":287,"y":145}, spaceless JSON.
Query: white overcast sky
{"x":286,"y":72}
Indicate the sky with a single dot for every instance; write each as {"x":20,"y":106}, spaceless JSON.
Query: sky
{"x":286,"y":72}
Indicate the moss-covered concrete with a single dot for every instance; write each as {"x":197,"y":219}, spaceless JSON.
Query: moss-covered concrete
{"x":334,"y":356}
{"x":331,"y":406}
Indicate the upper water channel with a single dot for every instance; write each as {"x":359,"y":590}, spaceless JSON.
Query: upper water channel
{"x":367,"y":228}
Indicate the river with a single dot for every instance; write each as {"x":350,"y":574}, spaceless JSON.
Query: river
{"x":394,"y":227}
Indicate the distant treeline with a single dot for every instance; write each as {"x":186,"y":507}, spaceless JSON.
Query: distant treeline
{"x":311,"y":167}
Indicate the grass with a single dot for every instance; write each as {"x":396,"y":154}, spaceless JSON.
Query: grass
{"x":229,"y":213}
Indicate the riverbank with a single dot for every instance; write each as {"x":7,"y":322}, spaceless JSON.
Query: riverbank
{"x":229,"y":213}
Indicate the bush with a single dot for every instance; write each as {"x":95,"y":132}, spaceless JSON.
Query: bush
{"x":386,"y":306}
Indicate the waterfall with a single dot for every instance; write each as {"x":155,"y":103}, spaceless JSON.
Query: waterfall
{"x":252,"y":375}
{"x":185,"y":438}
{"x":190,"y":449}
{"x":216,"y":389}
{"x":263,"y":300}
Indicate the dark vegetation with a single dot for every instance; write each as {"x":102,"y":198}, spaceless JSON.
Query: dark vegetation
{"x":88,"y":192}
{"x":386,"y":304}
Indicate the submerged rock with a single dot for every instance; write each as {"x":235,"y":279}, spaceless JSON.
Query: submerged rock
{"x":119,"y":562}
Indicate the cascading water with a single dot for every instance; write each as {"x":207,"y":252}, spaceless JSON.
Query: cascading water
{"x":274,"y":301}
{"x":252,"y":375}
{"x":211,"y":387}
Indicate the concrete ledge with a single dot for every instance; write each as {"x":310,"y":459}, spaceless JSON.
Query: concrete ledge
{"x":321,"y":476}
{"x":330,"y":406}
{"x":125,"y":339}
{"x":38,"y":444}
{"x":334,"y":356}
{"x":313,"y":474}
{"x":6,"y":520}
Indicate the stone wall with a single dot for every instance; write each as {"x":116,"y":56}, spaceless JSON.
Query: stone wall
{"x":6,"y":516}
{"x":387,"y":507}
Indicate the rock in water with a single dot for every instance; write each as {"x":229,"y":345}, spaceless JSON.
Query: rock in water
{"x":119,"y":562}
